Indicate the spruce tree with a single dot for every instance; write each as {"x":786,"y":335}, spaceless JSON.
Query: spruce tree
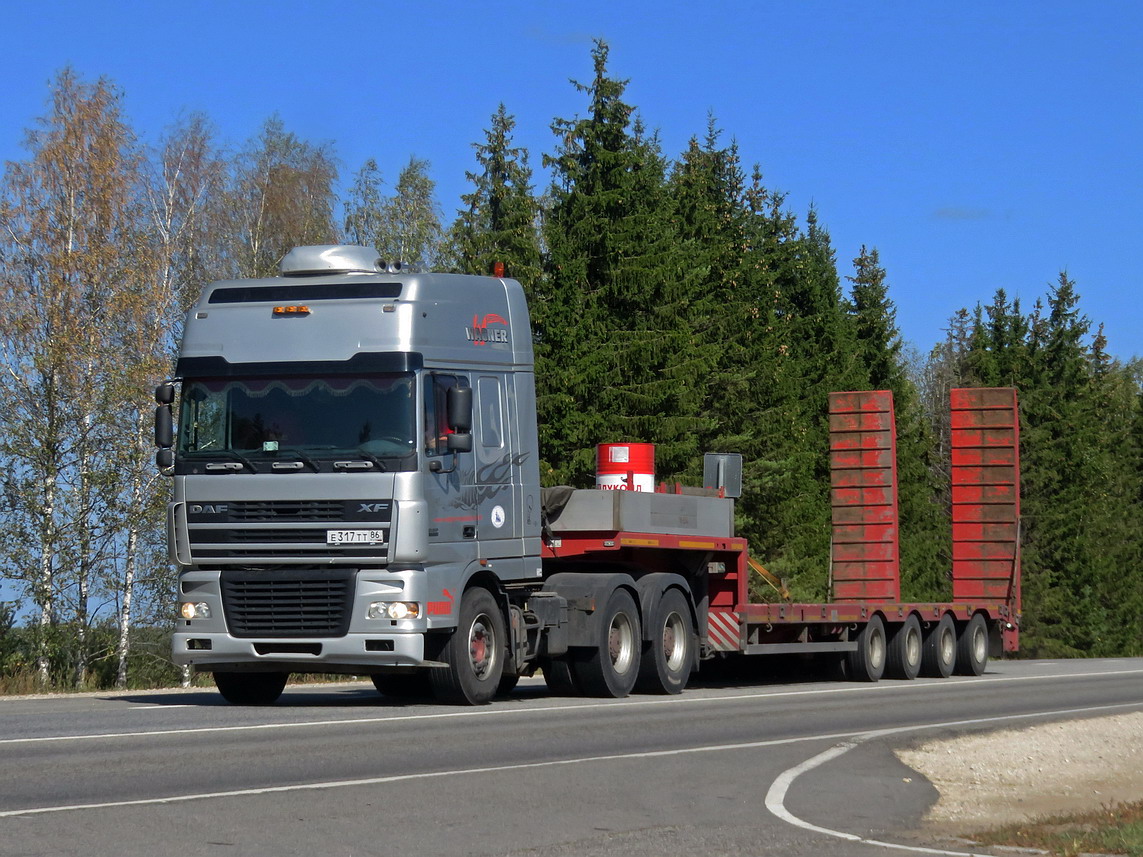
{"x":615,"y":357}
{"x":707,"y":186}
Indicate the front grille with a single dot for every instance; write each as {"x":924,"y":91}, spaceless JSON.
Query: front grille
{"x":286,"y":530}
{"x":230,"y":537}
{"x":287,"y":603}
{"x":282,"y":510}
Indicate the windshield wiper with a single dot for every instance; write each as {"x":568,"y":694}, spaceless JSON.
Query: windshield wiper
{"x":229,"y":453}
{"x":369,"y":456}
{"x":305,"y":458}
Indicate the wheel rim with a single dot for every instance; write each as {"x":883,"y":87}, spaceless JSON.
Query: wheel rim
{"x":876,"y":650}
{"x":482,"y":646}
{"x":674,"y":642}
{"x":947,"y":643}
{"x":621,"y":643}
{"x":979,"y":648}
{"x":913,"y":647}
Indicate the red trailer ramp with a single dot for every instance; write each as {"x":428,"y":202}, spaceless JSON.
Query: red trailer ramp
{"x":865,"y":560}
{"x":986,"y":498}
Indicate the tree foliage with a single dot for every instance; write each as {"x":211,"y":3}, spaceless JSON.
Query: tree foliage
{"x":404,"y":227}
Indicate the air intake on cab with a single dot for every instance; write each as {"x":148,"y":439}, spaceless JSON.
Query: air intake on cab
{"x":325,"y":259}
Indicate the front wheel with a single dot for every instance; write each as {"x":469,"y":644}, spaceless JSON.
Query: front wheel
{"x":251,"y":688}
{"x":404,"y":685}
{"x":667,"y":660}
{"x":475,"y":652}
{"x":611,"y":666}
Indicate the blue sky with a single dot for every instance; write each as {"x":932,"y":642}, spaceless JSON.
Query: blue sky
{"x":977,"y":145}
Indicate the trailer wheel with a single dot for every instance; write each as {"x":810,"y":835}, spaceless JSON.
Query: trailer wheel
{"x":867,"y":663}
{"x":903,"y":660}
{"x":475,"y":652}
{"x":559,"y":676}
{"x":667,"y":660}
{"x":251,"y":688}
{"x":939,"y":655}
{"x":403,"y":685}
{"x":609,"y":668}
{"x":972,"y":647}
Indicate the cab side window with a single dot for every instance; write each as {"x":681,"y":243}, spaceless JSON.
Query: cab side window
{"x":491,"y":414}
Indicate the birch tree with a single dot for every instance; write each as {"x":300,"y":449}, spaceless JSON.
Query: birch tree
{"x":281,"y":196}
{"x":68,"y":228}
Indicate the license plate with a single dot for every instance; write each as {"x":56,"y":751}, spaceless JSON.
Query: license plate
{"x":354,"y":537}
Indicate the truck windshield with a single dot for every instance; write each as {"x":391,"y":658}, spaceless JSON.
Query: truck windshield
{"x":315,"y":418}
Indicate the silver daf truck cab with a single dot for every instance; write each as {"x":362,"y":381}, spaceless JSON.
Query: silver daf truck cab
{"x":355,"y":446}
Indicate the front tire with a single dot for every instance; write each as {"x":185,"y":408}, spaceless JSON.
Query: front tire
{"x":867,"y":663}
{"x":403,"y":685}
{"x":666,"y":663}
{"x":475,"y":652}
{"x":251,"y":688}
{"x":611,"y":666}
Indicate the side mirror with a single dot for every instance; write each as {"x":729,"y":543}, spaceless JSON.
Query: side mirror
{"x":459,"y":442}
{"x":165,"y":458}
{"x":164,"y":427}
{"x":460,"y":409}
{"x":165,"y":393}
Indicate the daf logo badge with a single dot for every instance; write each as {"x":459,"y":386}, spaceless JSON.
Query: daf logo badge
{"x":209,"y":508}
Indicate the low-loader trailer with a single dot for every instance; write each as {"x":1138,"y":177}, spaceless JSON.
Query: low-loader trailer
{"x":356,"y":491}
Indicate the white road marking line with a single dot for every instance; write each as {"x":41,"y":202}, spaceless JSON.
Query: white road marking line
{"x":427,"y":775}
{"x":776,"y":796}
{"x":852,"y":740}
{"x":690,"y":699}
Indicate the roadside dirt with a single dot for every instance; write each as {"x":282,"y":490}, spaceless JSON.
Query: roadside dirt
{"x":987,"y":781}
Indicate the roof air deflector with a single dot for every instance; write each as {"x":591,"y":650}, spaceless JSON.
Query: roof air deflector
{"x":326,"y":259}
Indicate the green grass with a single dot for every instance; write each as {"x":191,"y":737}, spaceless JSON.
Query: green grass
{"x":1113,"y":830}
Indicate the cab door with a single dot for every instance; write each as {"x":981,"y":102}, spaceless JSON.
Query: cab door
{"x":498,"y":487}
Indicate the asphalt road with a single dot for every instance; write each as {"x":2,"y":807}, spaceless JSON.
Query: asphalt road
{"x":770,"y":767}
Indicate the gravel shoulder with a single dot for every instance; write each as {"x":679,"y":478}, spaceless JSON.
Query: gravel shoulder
{"x":989,"y":780}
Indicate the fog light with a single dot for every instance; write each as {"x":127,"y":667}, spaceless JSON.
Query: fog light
{"x":394,"y":610}
{"x":194,"y":610}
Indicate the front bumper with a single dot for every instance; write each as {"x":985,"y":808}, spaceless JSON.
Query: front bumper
{"x":352,"y":653}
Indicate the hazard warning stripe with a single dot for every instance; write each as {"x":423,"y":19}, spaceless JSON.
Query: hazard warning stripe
{"x":722,"y":631}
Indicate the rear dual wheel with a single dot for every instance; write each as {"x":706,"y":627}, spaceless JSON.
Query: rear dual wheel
{"x":972,"y":647}
{"x":867,"y":662}
{"x":903,"y":659}
{"x":938,"y":657}
{"x":667,"y":659}
{"x":611,"y":666}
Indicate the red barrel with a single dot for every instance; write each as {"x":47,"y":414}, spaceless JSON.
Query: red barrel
{"x":625,"y":466}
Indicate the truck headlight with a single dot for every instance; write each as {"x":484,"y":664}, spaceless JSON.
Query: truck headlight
{"x":194,"y":610}
{"x":394,"y":610}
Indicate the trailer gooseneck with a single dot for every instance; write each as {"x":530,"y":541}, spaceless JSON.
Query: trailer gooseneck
{"x":356,"y":490}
